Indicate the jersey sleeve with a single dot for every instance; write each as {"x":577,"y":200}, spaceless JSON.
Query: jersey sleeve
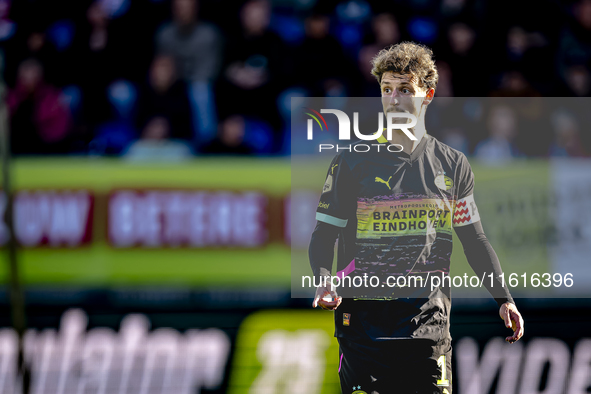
{"x":337,"y":201}
{"x":465,"y":210}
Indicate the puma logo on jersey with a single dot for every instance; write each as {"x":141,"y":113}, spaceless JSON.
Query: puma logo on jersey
{"x":332,"y":169}
{"x":387,"y":183}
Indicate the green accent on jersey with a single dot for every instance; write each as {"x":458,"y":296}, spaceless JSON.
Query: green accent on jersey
{"x":331,"y":219}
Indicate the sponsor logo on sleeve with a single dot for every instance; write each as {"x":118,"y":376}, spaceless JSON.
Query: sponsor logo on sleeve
{"x":327,"y":185}
{"x":323,"y":205}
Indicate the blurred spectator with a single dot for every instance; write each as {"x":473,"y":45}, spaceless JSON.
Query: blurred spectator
{"x":525,"y":103}
{"x":156,"y":144}
{"x":196,"y":47}
{"x":101,"y":58}
{"x":253,"y":56}
{"x":319,"y":62}
{"x":230,"y":139}
{"x":461,"y":38}
{"x":98,"y":53}
{"x":451,"y":8}
{"x":575,"y":40}
{"x":253,"y":65}
{"x":514,"y":84}
{"x":351,"y":17}
{"x":423,"y":29}
{"x":463,"y":59}
{"x":578,"y":81}
{"x":528,"y":51}
{"x":445,"y":85}
{"x":39,"y":118}
{"x":567,"y":136}
{"x":517,"y":43}
{"x":499,"y":148}
{"x":384,"y":32}
{"x":520,"y":43}
{"x":33,"y":44}
{"x":165,"y":95}
{"x":366,"y":84}
{"x":115,"y":134}
{"x":7,"y":27}
{"x":455,"y":138}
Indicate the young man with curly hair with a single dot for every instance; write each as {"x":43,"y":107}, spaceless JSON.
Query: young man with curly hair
{"x":393,"y":214}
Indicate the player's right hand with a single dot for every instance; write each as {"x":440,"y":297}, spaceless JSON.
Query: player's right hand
{"x":323,"y":292}
{"x":513,"y":320}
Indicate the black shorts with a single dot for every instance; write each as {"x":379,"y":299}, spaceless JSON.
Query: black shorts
{"x":405,"y":366}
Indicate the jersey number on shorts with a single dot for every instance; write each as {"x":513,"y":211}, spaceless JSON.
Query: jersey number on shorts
{"x":441,"y":363}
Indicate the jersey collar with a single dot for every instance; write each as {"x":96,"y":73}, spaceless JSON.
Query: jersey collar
{"x":415,"y":154}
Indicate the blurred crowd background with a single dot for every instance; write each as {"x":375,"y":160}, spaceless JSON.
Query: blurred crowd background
{"x":174,"y":79}
{"x":176,"y":278}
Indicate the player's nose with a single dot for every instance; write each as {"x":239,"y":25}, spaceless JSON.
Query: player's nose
{"x":393,"y":99}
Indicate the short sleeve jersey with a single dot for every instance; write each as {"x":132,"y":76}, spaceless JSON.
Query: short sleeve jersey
{"x":396,"y":212}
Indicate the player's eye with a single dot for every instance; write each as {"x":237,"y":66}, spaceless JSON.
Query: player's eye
{"x":387,"y":90}
{"x":405,"y":90}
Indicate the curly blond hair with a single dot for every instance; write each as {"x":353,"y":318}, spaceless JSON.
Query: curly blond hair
{"x":407,"y":58}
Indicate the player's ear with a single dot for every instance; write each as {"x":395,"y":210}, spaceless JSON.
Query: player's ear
{"x":429,"y":96}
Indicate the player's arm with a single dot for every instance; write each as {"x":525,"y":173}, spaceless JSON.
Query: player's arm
{"x":335,"y":206}
{"x":321,"y":254}
{"x":479,"y":252}
{"x":484,"y":261}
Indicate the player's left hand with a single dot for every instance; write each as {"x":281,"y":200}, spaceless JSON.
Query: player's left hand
{"x":513,"y":320}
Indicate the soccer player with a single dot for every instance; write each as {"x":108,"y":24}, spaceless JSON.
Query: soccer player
{"x":393,"y":211}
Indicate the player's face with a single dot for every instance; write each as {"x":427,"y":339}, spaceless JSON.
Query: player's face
{"x":402,"y":93}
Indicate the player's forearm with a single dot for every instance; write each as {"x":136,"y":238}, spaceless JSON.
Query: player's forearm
{"x":483,"y":260}
{"x":321,"y":251}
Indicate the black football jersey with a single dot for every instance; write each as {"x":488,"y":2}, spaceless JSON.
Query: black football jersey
{"x":396,"y":212}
